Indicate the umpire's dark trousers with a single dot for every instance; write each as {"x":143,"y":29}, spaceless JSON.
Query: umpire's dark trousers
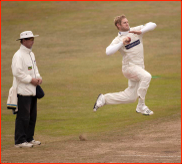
{"x":25,"y":119}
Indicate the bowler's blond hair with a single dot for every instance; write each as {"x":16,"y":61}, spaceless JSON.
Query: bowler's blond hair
{"x":118,"y":20}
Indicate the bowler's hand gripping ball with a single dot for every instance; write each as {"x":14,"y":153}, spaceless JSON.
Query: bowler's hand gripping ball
{"x":126,"y":40}
{"x":129,"y":39}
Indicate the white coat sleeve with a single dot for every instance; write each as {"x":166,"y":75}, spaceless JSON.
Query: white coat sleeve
{"x":37,"y":73}
{"x":148,"y":27}
{"x":113,"y":48}
{"x":17,"y":70}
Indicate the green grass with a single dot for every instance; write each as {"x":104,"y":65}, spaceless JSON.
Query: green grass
{"x":70,"y":55}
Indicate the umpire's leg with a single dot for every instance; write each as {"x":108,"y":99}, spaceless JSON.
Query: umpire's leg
{"x":22,"y":118}
{"x":33,"y":117}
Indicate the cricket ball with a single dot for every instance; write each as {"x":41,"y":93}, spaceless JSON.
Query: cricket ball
{"x":82,"y":137}
{"x":129,"y":39}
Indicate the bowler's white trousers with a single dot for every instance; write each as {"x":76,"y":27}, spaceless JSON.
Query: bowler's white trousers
{"x":138,"y":83}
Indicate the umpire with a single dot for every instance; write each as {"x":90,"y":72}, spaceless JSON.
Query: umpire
{"x":27,"y":77}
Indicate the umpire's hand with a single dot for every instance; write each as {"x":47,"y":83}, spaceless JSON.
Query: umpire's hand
{"x":35,"y":81}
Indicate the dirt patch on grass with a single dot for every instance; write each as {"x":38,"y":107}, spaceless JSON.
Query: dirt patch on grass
{"x":152,"y":142}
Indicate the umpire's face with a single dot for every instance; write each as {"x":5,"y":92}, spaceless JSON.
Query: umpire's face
{"x":28,"y":42}
{"x":124,"y":25}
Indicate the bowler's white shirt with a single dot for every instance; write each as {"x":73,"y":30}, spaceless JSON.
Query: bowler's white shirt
{"x":133,"y":52}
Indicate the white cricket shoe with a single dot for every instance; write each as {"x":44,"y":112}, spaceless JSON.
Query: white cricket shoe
{"x":143,"y":109}
{"x":24,"y":144}
{"x":99,"y":102}
{"x":35,"y":142}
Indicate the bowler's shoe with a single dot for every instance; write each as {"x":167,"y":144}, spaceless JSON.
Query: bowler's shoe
{"x":99,"y":102}
{"x":143,"y":109}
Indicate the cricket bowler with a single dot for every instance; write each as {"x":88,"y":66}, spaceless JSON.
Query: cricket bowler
{"x":129,"y":42}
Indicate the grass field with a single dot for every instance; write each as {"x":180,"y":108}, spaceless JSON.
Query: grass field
{"x":70,"y":54}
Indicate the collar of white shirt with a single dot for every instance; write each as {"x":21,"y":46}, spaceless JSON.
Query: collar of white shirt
{"x":22,"y":47}
{"x":123,"y":33}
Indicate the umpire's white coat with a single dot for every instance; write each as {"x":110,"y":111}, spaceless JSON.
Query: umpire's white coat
{"x":24,"y":69}
{"x":132,"y":66}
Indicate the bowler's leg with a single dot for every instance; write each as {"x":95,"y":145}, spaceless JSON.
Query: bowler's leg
{"x":129,"y":95}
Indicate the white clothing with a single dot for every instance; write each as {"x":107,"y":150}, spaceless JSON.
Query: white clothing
{"x":138,"y":83}
{"x":12,"y":99}
{"x":148,"y":27}
{"x":132,"y":52}
{"x":113,"y":48}
{"x":132,"y":66}
{"x":24,"y":69}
